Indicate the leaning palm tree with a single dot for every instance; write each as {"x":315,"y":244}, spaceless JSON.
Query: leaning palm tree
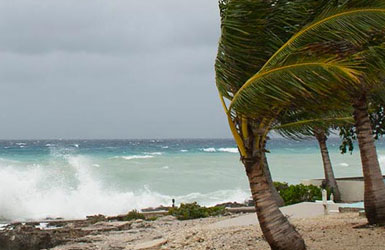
{"x":252,"y":31}
{"x":300,"y":125}
{"x":336,"y":59}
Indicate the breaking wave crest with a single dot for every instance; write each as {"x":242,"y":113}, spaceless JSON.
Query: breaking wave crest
{"x":132,"y":157}
{"x":74,"y":190}
{"x":225,"y":150}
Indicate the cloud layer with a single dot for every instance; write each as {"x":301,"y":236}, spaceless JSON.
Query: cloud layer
{"x":109,"y":69}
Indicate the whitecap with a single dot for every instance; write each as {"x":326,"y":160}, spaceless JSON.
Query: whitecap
{"x":209,"y":149}
{"x":183,"y":150}
{"x":344,"y":164}
{"x":228,"y":150}
{"x":155,"y":153}
{"x":131,"y":157}
{"x":164,"y":146}
{"x":165,"y":167}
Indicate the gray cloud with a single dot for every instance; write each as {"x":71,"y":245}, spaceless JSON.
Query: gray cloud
{"x":109,"y":69}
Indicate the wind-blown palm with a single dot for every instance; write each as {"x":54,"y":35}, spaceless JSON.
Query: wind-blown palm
{"x":294,"y":77}
{"x":251,"y":32}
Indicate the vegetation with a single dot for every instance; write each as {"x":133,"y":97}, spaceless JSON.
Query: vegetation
{"x":190,"y":211}
{"x":292,"y":194}
{"x":280,"y":57}
{"x":134,"y":215}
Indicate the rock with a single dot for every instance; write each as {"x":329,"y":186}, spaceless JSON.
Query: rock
{"x":148,"y":245}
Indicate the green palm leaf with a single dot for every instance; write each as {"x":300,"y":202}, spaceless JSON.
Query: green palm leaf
{"x":346,"y":23}
{"x":252,"y":30}
{"x":293,"y":85}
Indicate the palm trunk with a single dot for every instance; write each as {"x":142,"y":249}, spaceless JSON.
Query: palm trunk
{"x":277,"y":197}
{"x":278,"y":232}
{"x":328,"y":169}
{"x":374,"y":196}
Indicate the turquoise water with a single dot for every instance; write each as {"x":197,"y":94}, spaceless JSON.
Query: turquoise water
{"x":75,"y":178}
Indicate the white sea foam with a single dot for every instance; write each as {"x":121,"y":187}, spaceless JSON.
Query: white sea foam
{"x":228,"y":150}
{"x":209,"y":149}
{"x":155,"y":153}
{"x":37,"y":191}
{"x":132,"y":157}
{"x":21,"y":195}
{"x":343,"y":164}
{"x":183,"y":150}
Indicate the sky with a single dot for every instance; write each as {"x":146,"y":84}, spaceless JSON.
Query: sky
{"x":109,"y":69}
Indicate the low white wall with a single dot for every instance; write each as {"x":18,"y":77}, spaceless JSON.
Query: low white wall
{"x":351,"y":190}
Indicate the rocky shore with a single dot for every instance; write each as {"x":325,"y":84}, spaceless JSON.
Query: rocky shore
{"x":337,"y":231}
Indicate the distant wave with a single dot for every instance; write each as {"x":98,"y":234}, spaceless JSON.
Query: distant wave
{"x":183,"y":150}
{"x":132,"y":157}
{"x":229,"y":150}
{"x":209,"y":149}
{"x":226,"y":150}
{"x":155,"y":153}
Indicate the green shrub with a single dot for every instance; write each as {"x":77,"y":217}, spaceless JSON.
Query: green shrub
{"x":190,"y":211}
{"x":153,"y":218}
{"x":280,"y":185}
{"x":292,"y":194}
{"x":134,"y":215}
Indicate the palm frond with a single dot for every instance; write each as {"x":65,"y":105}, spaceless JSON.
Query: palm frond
{"x":353,"y":22}
{"x":252,"y":30}
{"x":295,"y":84}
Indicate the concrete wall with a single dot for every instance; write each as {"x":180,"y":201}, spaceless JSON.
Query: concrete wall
{"x":351,"y":190}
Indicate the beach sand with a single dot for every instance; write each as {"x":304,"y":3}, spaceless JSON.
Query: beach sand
{"x":331,"y":232}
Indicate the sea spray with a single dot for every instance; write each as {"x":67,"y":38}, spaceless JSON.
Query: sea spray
{"x":55,"y":178}
{"x":37,"y":192}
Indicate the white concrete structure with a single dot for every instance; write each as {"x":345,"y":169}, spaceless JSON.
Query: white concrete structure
{"x":351,"y":189}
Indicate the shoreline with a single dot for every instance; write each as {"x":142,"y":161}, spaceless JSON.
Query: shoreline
{"x":231,"y":231}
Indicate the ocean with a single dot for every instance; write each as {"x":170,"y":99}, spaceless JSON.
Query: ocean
{"x":75,"y":178}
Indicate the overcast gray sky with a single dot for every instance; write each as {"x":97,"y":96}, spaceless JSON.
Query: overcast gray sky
{"x":109,"y":69}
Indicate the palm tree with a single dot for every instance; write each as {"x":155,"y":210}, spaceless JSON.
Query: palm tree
{"x":321,"y":136}
{"x":301,"y":125}
{"x":251,"y":32}
{"x":336,"y":59}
